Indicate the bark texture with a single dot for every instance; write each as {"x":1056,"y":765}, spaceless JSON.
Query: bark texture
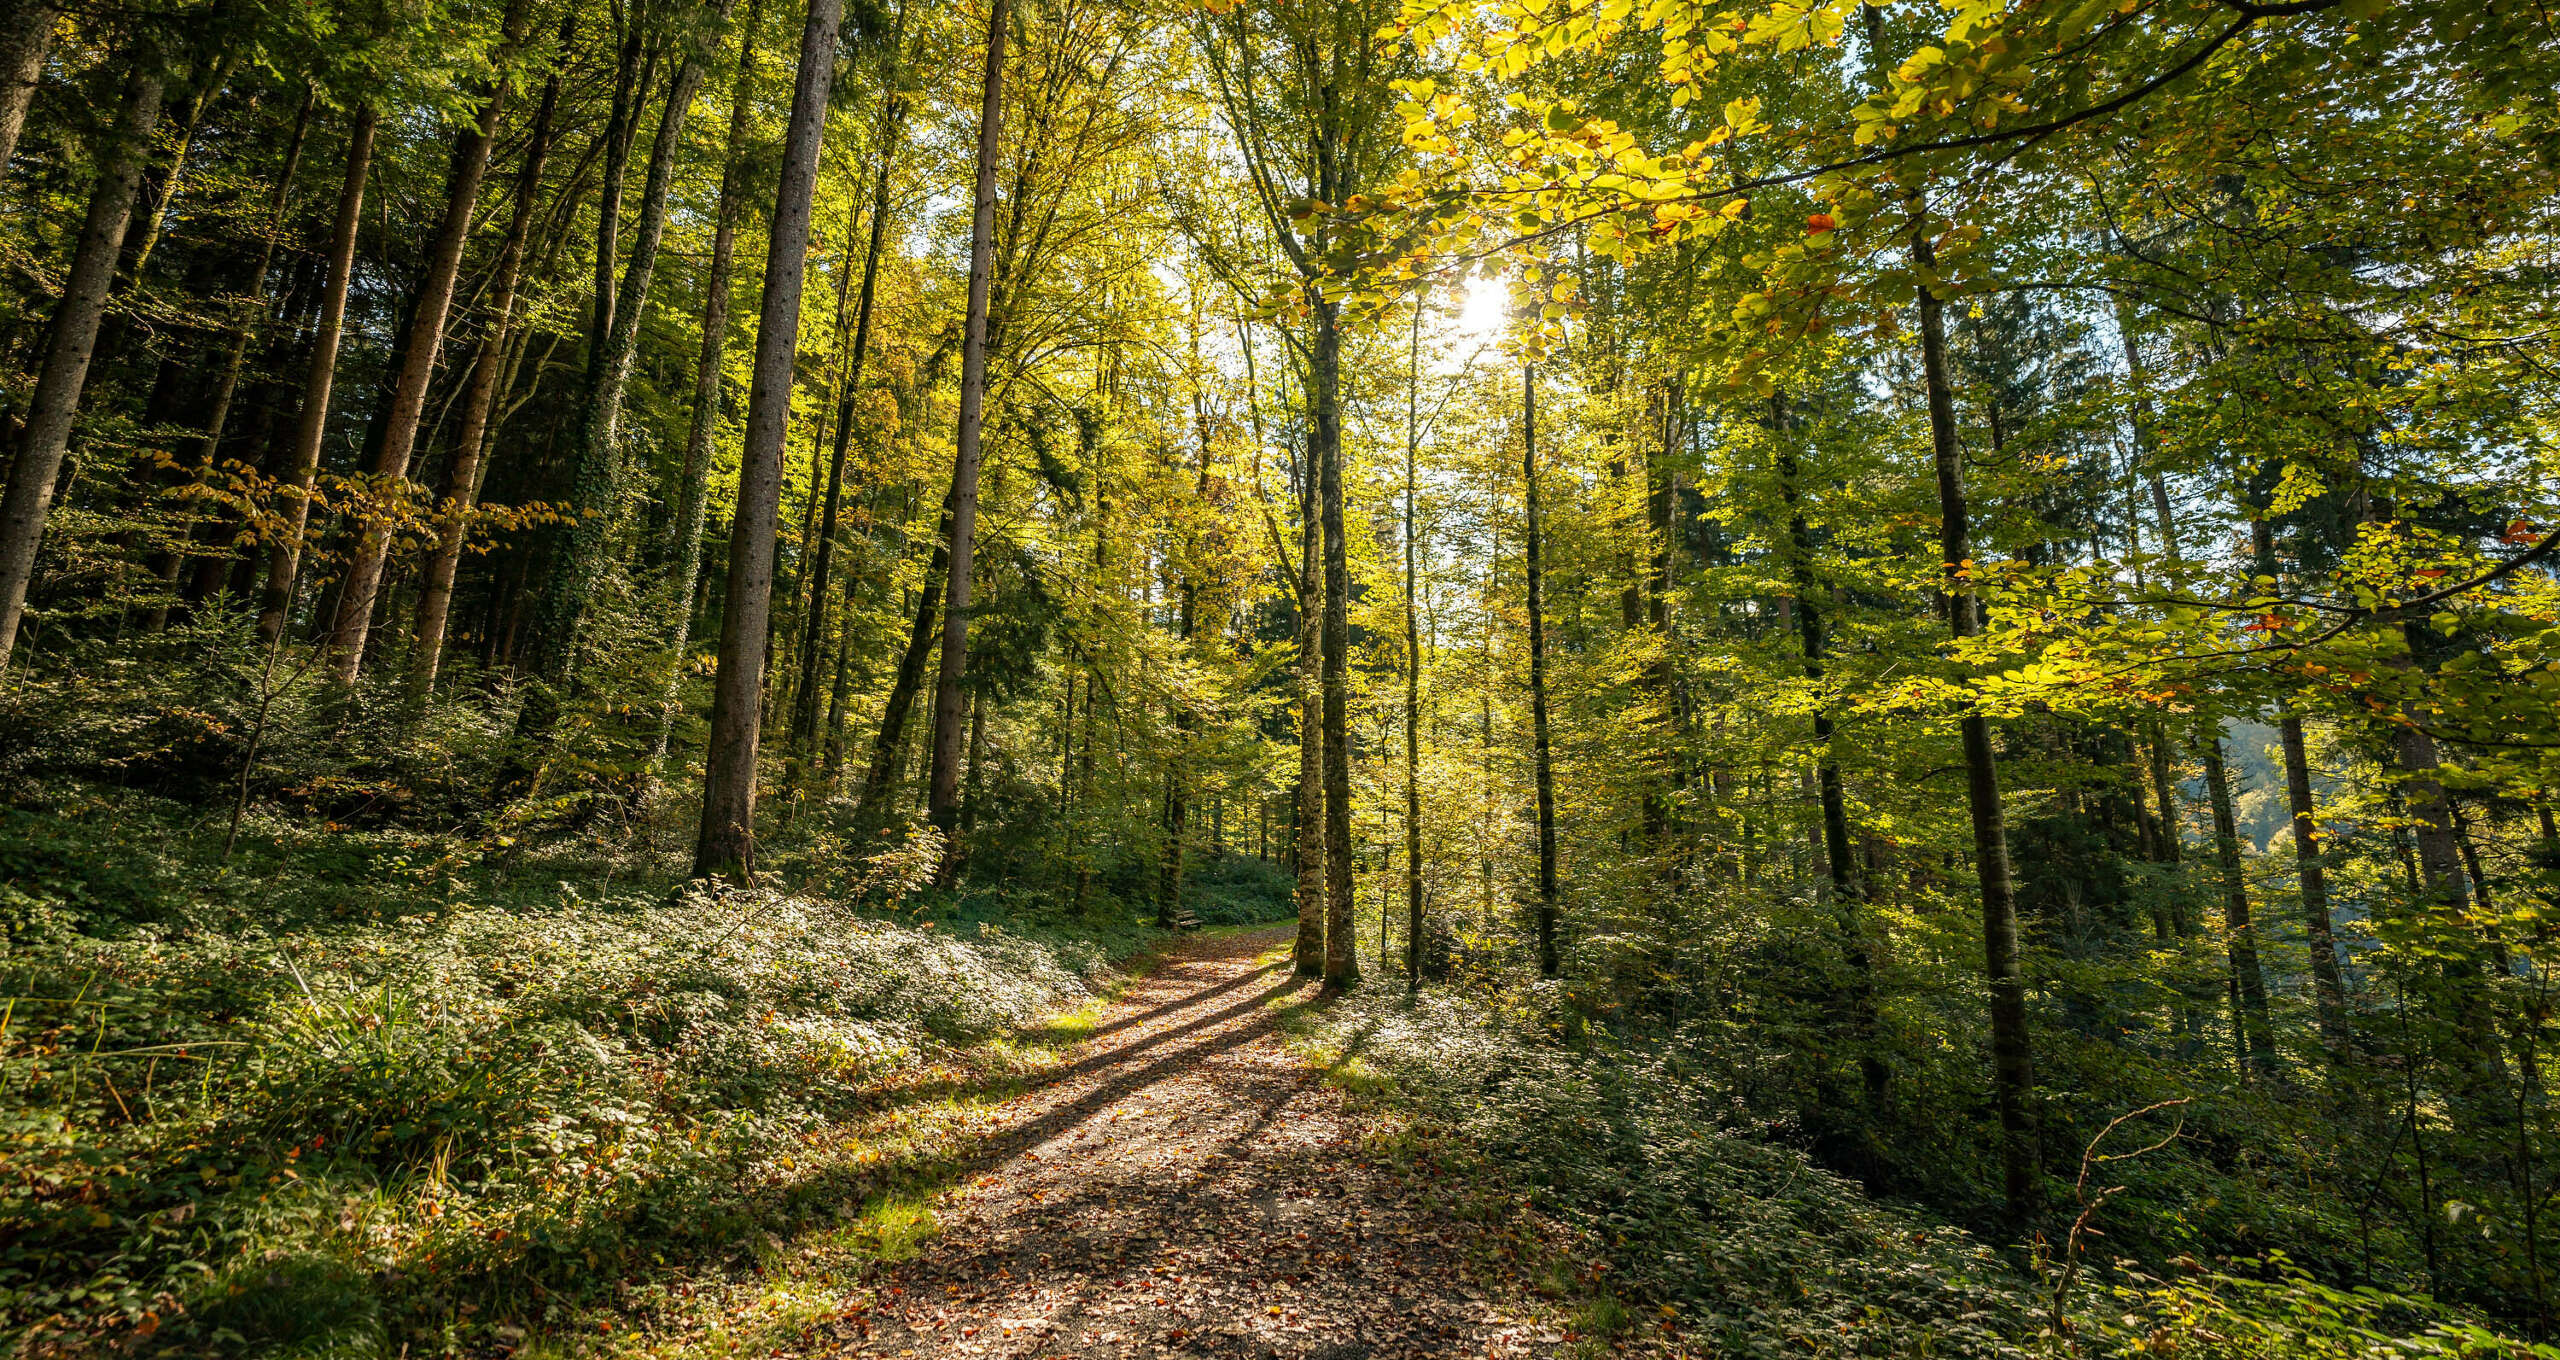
{"x":725,"y":847}
{"x":950,"y":704}
{"x":2012,"y":1063}
{"x":302,"y":468}
{"x":70,"y":342}
{"x":1541,"y":738}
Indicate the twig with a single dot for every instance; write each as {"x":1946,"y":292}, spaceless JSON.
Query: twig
{"x":2090,"y":1160}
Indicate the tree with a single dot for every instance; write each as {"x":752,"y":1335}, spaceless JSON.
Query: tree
{"x":419,"y":351}
{"x":726,"y":845}
{"x":480,"y":396}
{"x":685,"y":557}
{"x":72,"y":338}
{"x":949,"y":705}
{"x":1541,"y":739}
{"x":284,"y":556}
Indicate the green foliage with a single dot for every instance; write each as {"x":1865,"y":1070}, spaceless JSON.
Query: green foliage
{"x":240,"y":1130}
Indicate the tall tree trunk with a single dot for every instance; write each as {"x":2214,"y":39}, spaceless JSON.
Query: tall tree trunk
{"x":2012,"y":1063}
{"x":786,"y":677}
{"x":587,"y":538}
{"x":949,"y":703}
{"x":840,"y":691}
{"x":2249,"y":1023}
{"x":1309,"y":952}
{"x":804,"y":709}
{"x":685,"y":560}
{"x":72,"y":339}
{"x":425,"y":341}
{"x":1412,"y":671}
{"x":726,"y":846}
{"x":894,"y":712}
{"x":2329,"y":995}
{"x":253,"y":296}
{"x":621,"y":127}
{"x":157,"y":198}
{"x":470,"y":446}
{"x":1083,"y":825}
{"x":26,"y":36}
{"x":1324,"y":443}
{"x":284,"y":559}
{"x":2328,"y":991}
{"x":1848,"y":894}
{"x":1662,"y":804}
{"x":1541,"y":738}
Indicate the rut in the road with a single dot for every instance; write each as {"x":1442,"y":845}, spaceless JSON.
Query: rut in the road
{"x":1186,"y":1185}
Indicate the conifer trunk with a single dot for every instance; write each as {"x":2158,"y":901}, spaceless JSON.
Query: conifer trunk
{"x":726,"y":845}
{"x":71,"y":341}
{"x":26,"y":36}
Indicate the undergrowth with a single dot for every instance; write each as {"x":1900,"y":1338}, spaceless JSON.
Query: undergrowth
{"x":1682,"y":1224}
{"x":357,"y":1093}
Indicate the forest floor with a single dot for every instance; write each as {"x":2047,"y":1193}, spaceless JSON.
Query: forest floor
{"x":1184,"y":1183}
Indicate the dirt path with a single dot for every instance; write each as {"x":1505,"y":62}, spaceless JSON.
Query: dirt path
{"x":1185,"y":1185}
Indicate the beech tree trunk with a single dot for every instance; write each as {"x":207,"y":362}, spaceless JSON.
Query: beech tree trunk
{"x":470,"y":446}
{"x":1309,"y":952}
{"x":685,"y":560}
{"x":1541,"y":738}
{"x":354,"y":622}
{"x":2012,"y":1062}
{"x":1412,"y":673}
{"x":70,"y":342}
{"x":1324,"y":443}
{"x":2252,"y":1031}
{"x":284,"y":560}
{"x":726,"y":845}
{"x":804,"y":709}
{"x":949,"y":703}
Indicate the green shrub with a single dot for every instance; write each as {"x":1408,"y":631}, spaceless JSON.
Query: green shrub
{"x":204,"y":1125}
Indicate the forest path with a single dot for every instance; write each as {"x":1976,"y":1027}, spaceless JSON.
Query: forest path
{"x":1184,"y":1184}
